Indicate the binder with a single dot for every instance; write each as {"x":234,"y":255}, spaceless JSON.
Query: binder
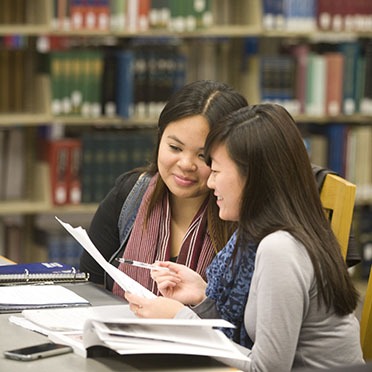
{"x":40,"y":272}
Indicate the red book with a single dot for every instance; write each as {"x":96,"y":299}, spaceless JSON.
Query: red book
{"x":77,"y":14}
{"x":301,"y":53}
{"x":143,"y":15}
{"x":334,"y":83}
{"x":64,"y":159}
{"x":90,"y":15}
{"x":102,"y":10}
{"x":325,"y":11}
{"x":58,"y":159}
{"x":74,"y":179}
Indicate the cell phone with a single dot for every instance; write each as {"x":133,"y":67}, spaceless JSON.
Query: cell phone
{"x":37,"y":351}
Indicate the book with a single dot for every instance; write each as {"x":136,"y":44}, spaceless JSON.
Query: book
{"x":337,"y":134}
{"x":88,"y":330}
{"x":324,"y":15}
{"x":159,"y":336}
{"x":16,"y":298}
{"x":58,"y":159}
{"x":301,"y":53}
{"x":74,"y":181}
{"x":125,"y":82}
{"x":108,"y":85}
{"x":315,"y":87}
{"x":334,"y":82}
{"x":14,"y":168}
{"x":37,"y":272}
{"x":350,"y":51}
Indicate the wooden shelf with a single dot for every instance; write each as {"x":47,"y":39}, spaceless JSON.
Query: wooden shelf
{"x":25,"y":119}
{"x":222,"y":31}
{"x":36,"y":207}
{"x":31,"y":119}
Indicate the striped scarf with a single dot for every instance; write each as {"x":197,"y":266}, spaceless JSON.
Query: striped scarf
{"x":151,"y":241}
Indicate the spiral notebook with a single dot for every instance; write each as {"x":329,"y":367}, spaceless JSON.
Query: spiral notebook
{"x":40,"y":272}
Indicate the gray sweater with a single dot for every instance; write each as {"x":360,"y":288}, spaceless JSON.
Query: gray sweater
{"x":282,"y":316}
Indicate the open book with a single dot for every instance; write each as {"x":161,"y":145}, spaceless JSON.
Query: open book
{"x":114,"y":328}
{"x":160,"y":336}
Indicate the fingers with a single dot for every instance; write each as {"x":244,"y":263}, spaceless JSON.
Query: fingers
{"x":164,"y":275}
{"x":136,"y":303}
{"x":136,"y":309}
{"x":166,"y":284}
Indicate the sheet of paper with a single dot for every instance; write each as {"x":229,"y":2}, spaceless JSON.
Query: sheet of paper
{"x":38,"y":295}
{"x":27,"y":324}
{"x":124,"y":281}
{"x":73,"y":319}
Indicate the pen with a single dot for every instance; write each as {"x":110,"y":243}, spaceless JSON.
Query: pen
{"x":141,"y":264}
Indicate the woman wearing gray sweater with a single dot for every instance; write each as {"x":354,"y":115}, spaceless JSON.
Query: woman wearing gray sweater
{"x":281,"y":278}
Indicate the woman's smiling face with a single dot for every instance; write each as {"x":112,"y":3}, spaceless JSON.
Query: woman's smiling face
{"x":180,"y":158}
{"x":227,"y":183}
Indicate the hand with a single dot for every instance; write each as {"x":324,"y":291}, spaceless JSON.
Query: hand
{"x":159,"y":307}
{"x":180,"y":283}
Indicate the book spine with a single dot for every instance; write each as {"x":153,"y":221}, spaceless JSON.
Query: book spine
{"x":87,"y":168}
{"x":108,"y":85}
{"x":125,"y":83}
{"x":334,"y":82}
{"x":74,"y":187}
{"x":350,"y":52}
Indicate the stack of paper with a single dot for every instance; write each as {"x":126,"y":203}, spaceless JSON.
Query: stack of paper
{"x":161,"y":336}
{"x":18,"y":297}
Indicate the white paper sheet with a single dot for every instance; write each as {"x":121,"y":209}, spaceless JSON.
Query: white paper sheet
{"x":124,"y":281}
{"x":73,"y":319}
{"x":34,"y":295}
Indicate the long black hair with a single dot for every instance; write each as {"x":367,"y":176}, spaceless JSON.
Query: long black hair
{"x":281,"y":193}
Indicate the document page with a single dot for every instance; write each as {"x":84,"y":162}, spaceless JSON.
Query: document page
{"x":73,"y":319}
{"x":37,"y":296}
{"x":124,"y":281}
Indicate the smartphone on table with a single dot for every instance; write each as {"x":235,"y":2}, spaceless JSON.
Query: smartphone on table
{"x":37,"y":351}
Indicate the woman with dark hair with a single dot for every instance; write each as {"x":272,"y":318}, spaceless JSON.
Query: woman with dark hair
{"x":301,"y":302}
{"x":166,"y":211}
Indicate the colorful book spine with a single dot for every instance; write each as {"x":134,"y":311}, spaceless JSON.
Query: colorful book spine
{"x":315,"y":87}
{"x":125,"y":83}
{"x":334,"y":82}
{"x":350,"y":52}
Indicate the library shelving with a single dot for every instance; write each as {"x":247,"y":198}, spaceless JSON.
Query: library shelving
{"x":53,"y":50}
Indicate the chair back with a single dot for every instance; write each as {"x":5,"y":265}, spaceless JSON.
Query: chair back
{"x":338,"y":197}
{"x":366,"y":322}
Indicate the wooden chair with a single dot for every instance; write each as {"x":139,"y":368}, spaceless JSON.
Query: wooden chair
{"x":338,"y":197}
{"x":366,"y":322}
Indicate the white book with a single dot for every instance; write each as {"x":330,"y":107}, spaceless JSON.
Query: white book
{"x":161,"y":336}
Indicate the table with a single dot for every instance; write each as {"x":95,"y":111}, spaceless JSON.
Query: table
{"x":13,"y":336}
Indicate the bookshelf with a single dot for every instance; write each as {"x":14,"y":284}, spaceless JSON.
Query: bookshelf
{"x":234,"y":44}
